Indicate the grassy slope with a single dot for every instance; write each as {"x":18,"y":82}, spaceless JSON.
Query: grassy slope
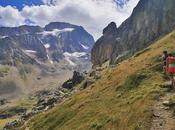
{"x":116,"y":101}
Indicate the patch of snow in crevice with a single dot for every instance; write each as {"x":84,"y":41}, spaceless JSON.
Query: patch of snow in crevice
{"x":49,"y":58}
{"x":85,"y":47}
{"x":21,"y":34}
{"x":74,"y":54}
{"x":69,"y":61}
{"x":2,"y":37}
{"x":30,"y":51}
{"x":56,"y":32}
{"x":123,"y":54}
{"x":47,"y":46}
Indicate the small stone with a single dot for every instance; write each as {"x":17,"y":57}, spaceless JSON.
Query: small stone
{"x":166,"y":103}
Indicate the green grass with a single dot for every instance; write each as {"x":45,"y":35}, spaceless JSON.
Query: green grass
{"x":121,"y":99}
{"x":141,"y":52}
{"x":12,"y":111}
{"x":134,"y":80}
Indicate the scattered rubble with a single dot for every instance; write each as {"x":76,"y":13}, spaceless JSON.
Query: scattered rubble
{"x":47,"y":99}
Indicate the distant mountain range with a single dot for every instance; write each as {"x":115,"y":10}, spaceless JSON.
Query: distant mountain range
{"x":55,"y":42}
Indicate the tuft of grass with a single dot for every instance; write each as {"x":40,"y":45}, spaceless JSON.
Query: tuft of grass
{"x":134,"y":80}
{"x":157,"y":67}
{"x":96,"y":126}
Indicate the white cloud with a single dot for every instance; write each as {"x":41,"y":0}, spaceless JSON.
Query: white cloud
{"x":10,"y":16}
{"x":94,"y":15}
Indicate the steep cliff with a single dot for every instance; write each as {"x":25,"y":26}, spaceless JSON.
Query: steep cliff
{"x":146,"y":24}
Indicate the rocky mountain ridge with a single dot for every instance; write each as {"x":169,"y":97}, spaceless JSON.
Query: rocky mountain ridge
{"x":48,"y":44}
{"x":146,"y":24}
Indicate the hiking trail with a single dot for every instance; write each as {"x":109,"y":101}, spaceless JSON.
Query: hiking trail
{"x":163,"y":116}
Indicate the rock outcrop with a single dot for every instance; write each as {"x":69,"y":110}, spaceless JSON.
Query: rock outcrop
{"x":146,"y":24}
{"x":76,"y":79}
{"x":103,"y":48}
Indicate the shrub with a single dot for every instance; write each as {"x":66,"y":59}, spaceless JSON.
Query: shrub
{"x":96,"y":126}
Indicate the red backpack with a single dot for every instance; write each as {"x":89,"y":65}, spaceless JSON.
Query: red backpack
{"x":171,"y":60}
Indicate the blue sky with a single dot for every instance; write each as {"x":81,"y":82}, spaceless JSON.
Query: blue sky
{"x":93,"y":15}
{"x":20,"y":3}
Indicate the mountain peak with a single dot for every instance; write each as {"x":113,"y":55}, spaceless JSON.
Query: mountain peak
{"x":49,"y":44}
{"x":110,"y":29}
{"x":135,"y":33}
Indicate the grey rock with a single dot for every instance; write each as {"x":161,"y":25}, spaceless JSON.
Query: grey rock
{"x":146,"y":24}
{"x":76,"y":79}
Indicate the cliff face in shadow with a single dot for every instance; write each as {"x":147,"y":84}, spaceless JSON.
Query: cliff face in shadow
{"x":150,"y":20}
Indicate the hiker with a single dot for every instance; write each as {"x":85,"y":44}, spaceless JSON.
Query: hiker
{"x":170,"y":63}
{"x":164,"y":57}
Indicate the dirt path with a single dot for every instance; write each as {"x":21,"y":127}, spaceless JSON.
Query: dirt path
{"x":163,"y":118}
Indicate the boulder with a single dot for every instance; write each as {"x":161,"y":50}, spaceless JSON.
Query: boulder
{"x":76,"y":79}
{"x":3,"y":102}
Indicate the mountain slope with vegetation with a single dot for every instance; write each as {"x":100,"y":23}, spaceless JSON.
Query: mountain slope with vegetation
{"x":122,"y":99}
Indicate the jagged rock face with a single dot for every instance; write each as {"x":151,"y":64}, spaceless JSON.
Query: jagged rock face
{"x":103,"y":48}
{"x":76,"y":79}
{"x":8,"y":31}
{"x":48,"y":44}
{"x":10,"y":54}
{"x":149,"y":20}
{"x":111,"y":29}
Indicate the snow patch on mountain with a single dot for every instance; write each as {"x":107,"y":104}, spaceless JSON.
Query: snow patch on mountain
{"x":85,"y":47}
{"x":56,"y":32}
{"x":30,"y":51}
{"x":72,"y":58}
{"x":70,"y":61}
{"x":74,"y":54}
{"x":2,"y":37}
{"x":47,"y":46}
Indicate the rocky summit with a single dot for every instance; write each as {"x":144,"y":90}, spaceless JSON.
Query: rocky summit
{"x":145,"y":25}
{"x":53,"y":43}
